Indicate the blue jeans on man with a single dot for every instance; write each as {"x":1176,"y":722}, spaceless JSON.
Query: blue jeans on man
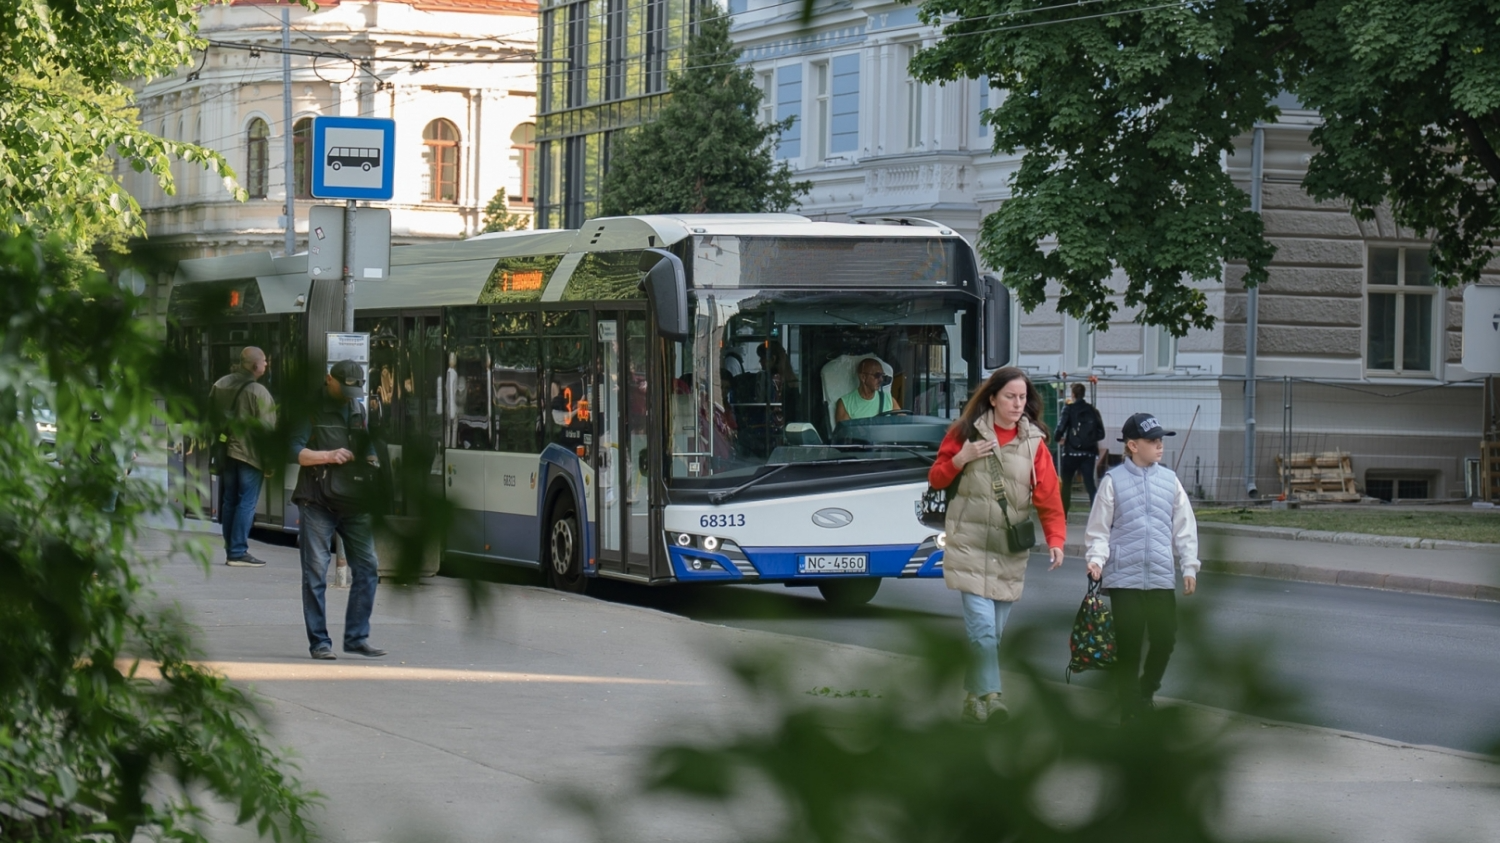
{"x":316,"y":545}
{"x":239,"y":487}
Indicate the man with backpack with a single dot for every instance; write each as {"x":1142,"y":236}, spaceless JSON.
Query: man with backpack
{"x":240,"y":406}
{"x":1080,"y":429}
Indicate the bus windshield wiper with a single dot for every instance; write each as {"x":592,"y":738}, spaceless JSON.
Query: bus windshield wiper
{"x":720,"y":497}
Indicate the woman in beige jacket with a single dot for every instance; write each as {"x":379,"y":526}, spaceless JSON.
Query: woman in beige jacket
{"x":997,"y":447}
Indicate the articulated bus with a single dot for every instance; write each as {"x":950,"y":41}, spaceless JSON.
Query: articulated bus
{"x":652,"y":398}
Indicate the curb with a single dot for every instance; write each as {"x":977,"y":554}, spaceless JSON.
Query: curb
{"x":1359,"y":539}
{"x":1335,"y":576}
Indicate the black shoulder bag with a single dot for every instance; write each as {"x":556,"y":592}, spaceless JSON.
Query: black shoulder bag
{"x":351,"y":488}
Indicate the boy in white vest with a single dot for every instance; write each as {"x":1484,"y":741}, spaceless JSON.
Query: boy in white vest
{"x":1142,"y":518}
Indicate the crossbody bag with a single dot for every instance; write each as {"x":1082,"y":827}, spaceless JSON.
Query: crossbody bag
{"x":1019,"y":538}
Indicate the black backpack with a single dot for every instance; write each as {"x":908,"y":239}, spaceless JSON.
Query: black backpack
{"x":1086,"y":429}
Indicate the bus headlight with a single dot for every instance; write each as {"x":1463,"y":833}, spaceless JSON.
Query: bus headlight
{"x":942,"y":540}
{"x":684,"y":540}
{"x":710,"y":543}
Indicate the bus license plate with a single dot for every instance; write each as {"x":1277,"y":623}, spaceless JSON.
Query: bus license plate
{"x":849,"y":563}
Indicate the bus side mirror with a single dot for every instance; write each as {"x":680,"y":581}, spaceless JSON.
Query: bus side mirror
{"x":996,"y":323}
{"x":666,"y":288}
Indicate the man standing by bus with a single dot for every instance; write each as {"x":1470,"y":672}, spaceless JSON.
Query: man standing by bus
{"x":328,"y":440}
{"x":245,"y":407}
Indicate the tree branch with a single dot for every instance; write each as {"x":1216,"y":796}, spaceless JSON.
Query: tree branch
{"x":1484,"y":151}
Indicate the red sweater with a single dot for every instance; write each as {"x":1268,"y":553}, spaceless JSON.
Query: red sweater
{"x":1046,"y":497}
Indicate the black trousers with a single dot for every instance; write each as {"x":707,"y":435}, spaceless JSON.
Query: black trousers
{"x":1140,"y":614}
{"x":1081,"y":464}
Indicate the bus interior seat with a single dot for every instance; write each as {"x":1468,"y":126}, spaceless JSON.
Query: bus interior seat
{"x":840,"y":377}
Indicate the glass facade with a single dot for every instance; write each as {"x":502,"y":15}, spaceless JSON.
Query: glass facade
{"x":616,"y":57}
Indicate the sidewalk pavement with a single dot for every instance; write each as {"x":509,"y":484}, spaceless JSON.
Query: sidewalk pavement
{"x":476,"y":725}
{"x":1449,"y":569}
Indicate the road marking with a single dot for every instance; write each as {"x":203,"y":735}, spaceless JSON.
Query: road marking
{"x":284,"y":671}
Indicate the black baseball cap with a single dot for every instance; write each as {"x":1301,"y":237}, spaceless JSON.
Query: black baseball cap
{"x":1144,"y":426}
{"x":351,"y":378}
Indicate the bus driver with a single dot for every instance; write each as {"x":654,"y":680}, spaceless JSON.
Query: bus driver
{"x":870,"y":399}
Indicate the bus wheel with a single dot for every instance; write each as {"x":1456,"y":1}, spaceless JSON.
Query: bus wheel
{"x":846,"y":594}
{"x":365,"y":166}
{"x":338,"y":165}
{"x":565,"y":549}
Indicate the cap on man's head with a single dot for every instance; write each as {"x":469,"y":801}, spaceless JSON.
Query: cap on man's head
{"x":1143,"y":426}
{"x":351,"y":378}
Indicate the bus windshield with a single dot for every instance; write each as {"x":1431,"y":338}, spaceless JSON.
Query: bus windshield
{"x":838,"y":380}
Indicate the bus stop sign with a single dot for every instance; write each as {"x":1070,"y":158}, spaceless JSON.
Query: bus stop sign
{"x":353,"y":158}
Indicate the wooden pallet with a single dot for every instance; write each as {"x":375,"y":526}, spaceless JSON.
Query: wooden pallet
{"x":1328,"y":476}
{"x":1489,"y":471}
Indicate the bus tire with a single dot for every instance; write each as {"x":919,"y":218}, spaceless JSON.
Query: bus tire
{"x":565,"y":548}
{"x":337,"y":165}
{"x":846,"y":594}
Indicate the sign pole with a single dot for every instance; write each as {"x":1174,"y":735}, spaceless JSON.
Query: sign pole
{"x":349,"y":215}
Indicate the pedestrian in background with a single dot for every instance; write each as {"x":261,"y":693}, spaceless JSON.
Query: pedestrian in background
{"x":331,"y":437}
{"x":245,"y":407}
{"x":1142,"y":518}
{"x":997,"y":454}
{"x":1080,"y":429}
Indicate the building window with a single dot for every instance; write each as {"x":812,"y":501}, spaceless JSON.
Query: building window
{"x":1078,"y":353}
{"x":789,"y":104}
{"x":523,"y":141}
{"x":844,"y":130}
{"x":302,"y":157}
{"x":984,"y":105}
{"x":578,"y":54}
{"x":1400,"y":313}
{"x":614,"y":50}
{"x":257,"y":158}
{"x":822,"y":108}
{"x":767,"y":83}
{"x":913,"y":102}
{"x":1161,"y":349}
{"x":440,"y":151}
{"x":656,"y":46}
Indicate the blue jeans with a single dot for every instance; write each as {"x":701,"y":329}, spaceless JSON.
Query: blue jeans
{"x":984,"y":621}
{"x":316,"y":546}
{"x":239,"y":486}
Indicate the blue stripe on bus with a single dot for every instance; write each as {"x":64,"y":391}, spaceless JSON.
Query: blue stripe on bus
{"x":933,"y":567}
{"x":682,"y":565}
{"x":515,"y":537}
{"x":559,"y":459}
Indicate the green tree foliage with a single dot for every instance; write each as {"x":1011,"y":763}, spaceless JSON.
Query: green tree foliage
{"x":497,"y":215}
{"x":83,"y":732}
{"x":706,"y":152}
{"x":62,"y":114}
{"x":1124,"y":116}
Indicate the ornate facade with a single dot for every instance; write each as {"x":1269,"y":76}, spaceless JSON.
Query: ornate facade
{"x":465,"y":122}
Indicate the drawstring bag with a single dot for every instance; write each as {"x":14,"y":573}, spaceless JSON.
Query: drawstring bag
{"x":1093,"y":640}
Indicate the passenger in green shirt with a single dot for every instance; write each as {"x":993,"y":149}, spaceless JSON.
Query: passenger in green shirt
{"x":869,"y":399}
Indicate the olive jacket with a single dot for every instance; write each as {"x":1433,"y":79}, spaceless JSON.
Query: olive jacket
{"x":976,"y":560}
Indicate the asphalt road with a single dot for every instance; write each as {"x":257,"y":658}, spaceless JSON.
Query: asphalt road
{"x":1412,"y":668}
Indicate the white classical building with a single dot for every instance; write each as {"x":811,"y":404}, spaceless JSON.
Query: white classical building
{"x":455,"y":75}
{"x":1358,"y":350}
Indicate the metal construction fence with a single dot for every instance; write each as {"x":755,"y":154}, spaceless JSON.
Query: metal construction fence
{"x":1314,"y":439}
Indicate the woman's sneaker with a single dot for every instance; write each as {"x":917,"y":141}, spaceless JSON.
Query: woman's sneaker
{"x":975,"y":711}
{"x":995,"y":711}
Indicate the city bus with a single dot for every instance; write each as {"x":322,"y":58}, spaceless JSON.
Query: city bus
{"x":653,"y":398}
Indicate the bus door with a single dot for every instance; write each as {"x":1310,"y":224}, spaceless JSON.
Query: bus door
{"x":623,"y":504}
